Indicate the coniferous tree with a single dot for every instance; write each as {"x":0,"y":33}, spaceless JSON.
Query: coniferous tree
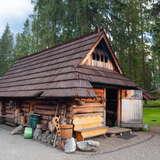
{"x":6,"y":50}
{"x":155,"y":31}
{"x":128,"y":23}
{"x":24,"y":44}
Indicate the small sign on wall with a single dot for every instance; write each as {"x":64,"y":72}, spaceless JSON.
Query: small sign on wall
{"x":132,"y":94}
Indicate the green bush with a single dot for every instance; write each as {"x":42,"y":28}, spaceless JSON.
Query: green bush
{"x":152,"y":103}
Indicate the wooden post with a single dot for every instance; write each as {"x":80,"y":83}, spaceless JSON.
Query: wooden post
{"x":0,"y":108}
{"x":105,"y":107}
{"x":119,"y":108}
{"x":2,"y":112}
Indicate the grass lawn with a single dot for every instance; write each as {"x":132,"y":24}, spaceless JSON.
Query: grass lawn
{"x":152,"y":116}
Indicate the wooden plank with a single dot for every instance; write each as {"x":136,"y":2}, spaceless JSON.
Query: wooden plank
{"x":92,"y":132}
{"x":88,"y":110}
{"x":88,"y":114}
{"x":44,"y":112}
{"x":117,"y":131}
{"x":84,"y":120}
{"x":95,"y":131}
{"x":87,"y":126}
{"x":89,"y":105}
{"x":46,"y":107}
{"x":105,"y":106}
{"x":119,"y":108}
{"x":87,"y":122}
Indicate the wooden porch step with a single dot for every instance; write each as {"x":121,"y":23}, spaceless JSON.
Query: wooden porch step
{"x":90,"y":132}
{"x":118,"y":131}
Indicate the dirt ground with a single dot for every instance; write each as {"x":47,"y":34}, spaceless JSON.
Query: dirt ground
{"x":139,"y":146}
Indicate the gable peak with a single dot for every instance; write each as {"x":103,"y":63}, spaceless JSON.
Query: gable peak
{"x":113,"y":63}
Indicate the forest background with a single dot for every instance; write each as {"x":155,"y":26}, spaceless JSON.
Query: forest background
{"x":133,"y":27}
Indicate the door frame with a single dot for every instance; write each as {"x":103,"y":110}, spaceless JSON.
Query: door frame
{"x":119,"y":108}
{"x":118,"y":105}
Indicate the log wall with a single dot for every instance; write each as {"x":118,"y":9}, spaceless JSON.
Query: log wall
{"x":82,"y":112}
{"x":90,"y":113}
{"x":47,"y":109}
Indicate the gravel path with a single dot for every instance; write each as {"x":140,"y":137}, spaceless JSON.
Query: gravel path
{"x":17,"y":148}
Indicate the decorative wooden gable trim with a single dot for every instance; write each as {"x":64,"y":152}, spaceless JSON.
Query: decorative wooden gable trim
{"x":103,"y":36}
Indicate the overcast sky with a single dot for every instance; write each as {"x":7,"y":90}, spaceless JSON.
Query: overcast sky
{"x":14,"y":12}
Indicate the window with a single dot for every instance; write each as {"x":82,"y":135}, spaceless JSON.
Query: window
{"x":102,"y":58}
{"x":94,"y":56}
{"x":97,"y":57}
{"x":106,"y":59}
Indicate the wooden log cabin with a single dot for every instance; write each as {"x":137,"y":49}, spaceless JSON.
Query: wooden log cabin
{"x":80,"y":80}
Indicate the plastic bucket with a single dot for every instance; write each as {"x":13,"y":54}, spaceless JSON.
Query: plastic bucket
{"x":34,"y":119}
{"x":28,"y":133}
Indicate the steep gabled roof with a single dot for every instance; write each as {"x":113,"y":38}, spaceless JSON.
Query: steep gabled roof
{"x":58,"y":72}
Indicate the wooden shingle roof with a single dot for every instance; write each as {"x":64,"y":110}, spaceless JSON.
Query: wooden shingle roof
{"x":55,"y":72}
{"x":102,"y":75}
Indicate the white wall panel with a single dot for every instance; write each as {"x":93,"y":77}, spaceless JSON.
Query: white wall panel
{"x":132,"y":111}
